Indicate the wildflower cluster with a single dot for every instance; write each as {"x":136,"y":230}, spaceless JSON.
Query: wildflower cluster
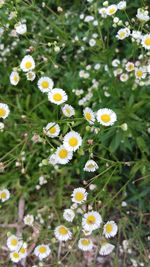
{"x":90,"y":221}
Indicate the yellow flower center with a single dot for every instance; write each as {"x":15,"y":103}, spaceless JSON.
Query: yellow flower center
{"x":90,"y":166}
{"x":28,"y":65}
{"x":88,"y":116}
{"x":105,"y":118}
{"x":22,"y":250}
{"x":109,"y":228}
{"x":79,"y":196}
{"x":57,"y":97}
{"x":91,"y":219}
{"x":42,"y":249}
{"x":2,"y":112}
{"x":63,"y":230}
{"x":14,"y":242}
{"x":122,"y":34}
{"x":63,"y":153}
{"x":147,"y":41}
{"x":16,"y":255}
{"x":139,"y":73}
{"x":3,"y":195}
{"x":52,"y":130}
{"x":131,"y":67}
{"x":16,"y":78}
{"x":45,"y":84}
{"x":85,"y":242}
{"x":73,"y":141}
{"x":30,"y":75}
{"x":112,"y":10}
{"x":68,"y":111}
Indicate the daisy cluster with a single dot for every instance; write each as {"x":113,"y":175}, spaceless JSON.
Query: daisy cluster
{"x":91,"y":221}
{"x":72,"y":140}
{"x":127,"y":70}
{"x":142,"y":17}
{"x":17,"y":248}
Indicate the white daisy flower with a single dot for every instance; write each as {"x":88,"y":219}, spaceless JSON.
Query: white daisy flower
{"x":79,"y":195}
{"x":4,"y":111}
{"x":68,"y":110}
{"x":90,"y":166}
{"x":15,"y":256}
{"x":52,"y":159}
{"x":52,"y":129}
{"x":68,"y":215}
{"x":129,"y":66}
{"x":45,"y":84}
{"x":30,"y":75}
{"x":57,"y":96}
{"x":140,"y":73}
{"x":14,"y":78}
{"x":62,"y":233}
{"x":136,"y":35}
{"x":122,"y":5}
{"x":63,"y":155}
{"x":72,"y":141}
{"x":106,"y":116}
{"x":97,"y":66}
{"x":89,"y":18}
{"x":89,"y":115}
{"x":111,"y":10}
{"x":124,"y":77}
{"x":21,"y":28}
{"x":116,"y":62}
{"x":106,"y":249}
{"x":91,"y":221}
{"x":27,"y":63}
{"x":142,"y":15}
{"x":117,"y":72}
{"x":102,"y":11}
{"x":42,"y":251}
{"x":123,"y":33}
{"x":92,"y":42}
{"x":23,"y":251}
{"x":146,"y":41}
{"x":85,"y":244}
{"x":110,"y":229}
{"x":13,"y":243}
{"x":4,"y":195}
{"x":28,"y":220}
